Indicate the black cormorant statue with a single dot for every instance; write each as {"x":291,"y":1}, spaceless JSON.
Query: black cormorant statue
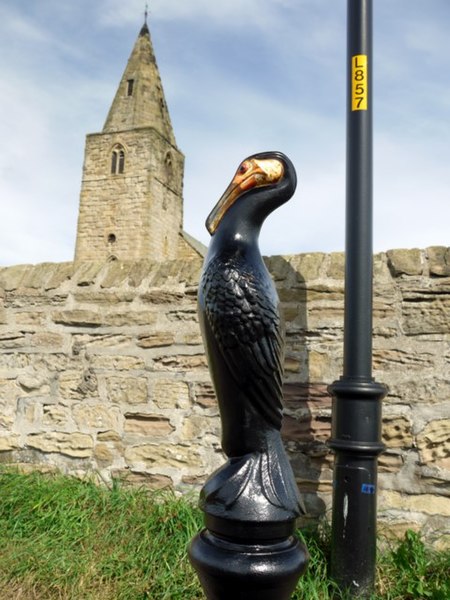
{"x":254,"y":495}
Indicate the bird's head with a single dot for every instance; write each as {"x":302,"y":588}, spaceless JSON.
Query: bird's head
{"x":265,"y":180}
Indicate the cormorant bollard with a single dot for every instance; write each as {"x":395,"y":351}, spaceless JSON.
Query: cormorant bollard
{"x":248,"y":549}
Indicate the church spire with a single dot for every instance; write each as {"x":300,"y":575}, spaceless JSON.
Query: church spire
{"x":145,"y":29}
{"x":131,"y":201}
{"x":139,"y":100}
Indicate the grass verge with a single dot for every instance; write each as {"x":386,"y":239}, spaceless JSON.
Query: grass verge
{"x":67,"y":539}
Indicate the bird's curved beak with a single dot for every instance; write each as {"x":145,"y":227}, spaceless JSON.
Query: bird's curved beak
{"x":251,"y":173}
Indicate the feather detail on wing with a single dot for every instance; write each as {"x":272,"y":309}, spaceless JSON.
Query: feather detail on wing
{"x":242,"y":310}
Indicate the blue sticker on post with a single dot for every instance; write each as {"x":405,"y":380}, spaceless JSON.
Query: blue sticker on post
{"x":368,"y":488}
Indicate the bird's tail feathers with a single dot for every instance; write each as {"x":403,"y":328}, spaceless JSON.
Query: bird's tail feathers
{"x":259,"y":479}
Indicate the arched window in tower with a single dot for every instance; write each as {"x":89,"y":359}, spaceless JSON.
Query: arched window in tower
{"x":168,"y":166}
{"x":118,"y":160}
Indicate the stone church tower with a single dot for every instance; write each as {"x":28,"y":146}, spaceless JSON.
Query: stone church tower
{"x":131,"y":205}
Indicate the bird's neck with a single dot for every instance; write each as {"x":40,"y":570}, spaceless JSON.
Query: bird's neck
{"x":236,"y":239}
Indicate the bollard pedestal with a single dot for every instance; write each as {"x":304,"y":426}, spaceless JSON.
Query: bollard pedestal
{"x":248,"y":570}
{"x":248,"y":549}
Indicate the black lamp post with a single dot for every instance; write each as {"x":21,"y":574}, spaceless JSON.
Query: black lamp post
{"x":356,"y":426}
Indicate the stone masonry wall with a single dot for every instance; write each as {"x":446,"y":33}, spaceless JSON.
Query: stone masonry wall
{"x":102,"y":372}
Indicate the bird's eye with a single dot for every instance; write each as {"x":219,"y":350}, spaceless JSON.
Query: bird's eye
{"x":243,"y":169}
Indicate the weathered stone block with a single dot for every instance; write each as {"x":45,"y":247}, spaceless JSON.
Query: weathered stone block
{"x":31,"y":380}
{"x":103,"y":298}
{"x":115,"y":273}
{"x":37,"y":276}
{"x":155,"y":340}
{"x":180,"y":362}
{"x":390,"y":463}
{"x":76,"y":385}
{"x":434,"y":443}
{"x":162,"y":296}
{"x":397,"y":432}
{"x":32,"y":318}
{"x":295,"y":316}
{"x":147,"y":425}
{"x":204,"y":395}
{"x":327,"y":295}
{"x":29,"y":414}
{"x":28,"y":298}
{"x":108,"y":436}
{"x":127,"y":390}
{"x":8,"y":399}
{"x":319,"y":363}
{"x":109,"y":362}
{"x":439,"y":261}
{"x":13,"y":340}
{"x":312,"y":396}
{"x":188,"y":315}
{"x":45,"y":340}
{"x":51,"y":360}
{"x":391,"y":359}
{"x":62,"y":273}
{"x":418,"y":503}
{"x":56,"y":416}
{"x":196,"y":426}
{"x":162,"y":455}
{"x":139,"y":271}
{"x":148,"y":480}
{"x":77,"y":318}
{"x":292,"y":364}
{"x":421,"y":390}
{"x":278,"y":266}
{"x":87,"y":272}
{"x":94,"y":341}
{"x":336,"y":266}
{"x":426,"y":314}
{"x":9,"y":442}
{"x":307,"y":429}
{"x":307,"y":266}
{"x":189,"y":338}
{"x":96,"y":416}
{"x":292,"y":295}
{"x":330,"y":316}
{"x":11,"y":277}
{"x":129,"y":318}
{"x":170,"y":393}
{"x":76,"y":445}
{"x":405,"y":262}
{"x":104,"y":454}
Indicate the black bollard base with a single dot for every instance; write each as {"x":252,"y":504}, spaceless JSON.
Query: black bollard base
{"x":237,"y":571}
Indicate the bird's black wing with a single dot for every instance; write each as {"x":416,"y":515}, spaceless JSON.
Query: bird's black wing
{"x":241,"y":307}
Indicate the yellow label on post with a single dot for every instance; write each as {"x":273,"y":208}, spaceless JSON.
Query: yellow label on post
{"x":359,"y":82}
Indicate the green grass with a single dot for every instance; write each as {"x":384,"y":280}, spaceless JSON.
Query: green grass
{"x":62,"y":538}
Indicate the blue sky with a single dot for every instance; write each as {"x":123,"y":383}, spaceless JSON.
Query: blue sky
{"x":239,"y":76}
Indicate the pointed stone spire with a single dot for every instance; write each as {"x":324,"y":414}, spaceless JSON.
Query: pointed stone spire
{"x":131,"y":200}
{"x":139,"y":100}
